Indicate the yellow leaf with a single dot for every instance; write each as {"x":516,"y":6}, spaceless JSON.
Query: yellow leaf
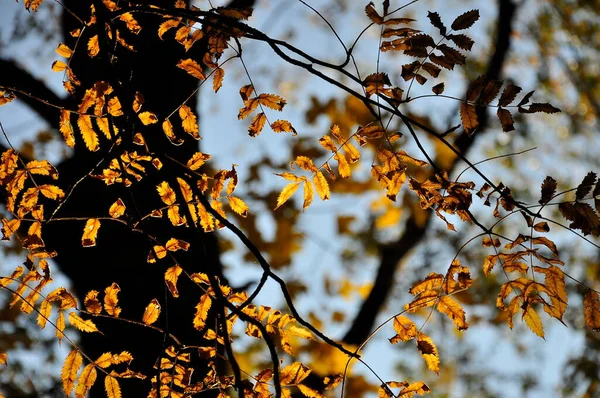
{"x":111,"y":385}
{"x":286,"y":193}
{"x":51,"y":191}
{"x":93,"y":47}
{"x":138,"y":101}
{"x":197,"y":160}
{"x":103,"y":125}
{"x":84,"y":325}
{"x":148,"y":118}
{"x":429,"y":352}
{"x":418,"y":387}
{"x":90,"y":138}
{"x":532,"y":319}
{"x":308,"y":194}
{"x":165,"y":26}
{"x":114,"y":107}
{"x":321,"y":186}
{"x":166,"y":193}
{"x":202,"y":312}
{"x":117,"y":209}
{"x":280,"y":126}
{"x":174,"y":216}
{"x":300,"y":331}
{"x":171,"y":276}
{"x":189,"y":122}
{"x":64,"y":51}
{"x":44,"y":313}
{"x":104,"y":360}
{"x":591,"y":310}
{"x":60,"y":326}
{"x":151,"y":312}
{"x":68,"y":374}
{"x":305,"y":163}
{"x":343,"y":166}
{"x":447,"y":305}
{"x":58,"y":66}
{"x":86,"y":380}
{"x":218,"y":79}
{"x":90,"y":232}
{"x":66,"y":128}
{"x":405,"y":329}
{"x":3,"y":358}
{"x":309,"y":392}
{"x":131,"y":23}
{"x":173,"y":245}
{"x":293,"y":374}
{"x":238,"y":206}
{"x":111,"y":300}
{"x":192,"y":67}
{"x":91,"y":302}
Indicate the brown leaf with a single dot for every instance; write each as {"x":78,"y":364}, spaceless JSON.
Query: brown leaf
{"x":465,"y":20}
{"x":468,"y":116}
{"x":509,"y":94}
{"x":506,"y":120}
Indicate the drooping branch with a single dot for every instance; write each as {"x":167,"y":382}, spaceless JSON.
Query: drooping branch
{"x":391,"y":255}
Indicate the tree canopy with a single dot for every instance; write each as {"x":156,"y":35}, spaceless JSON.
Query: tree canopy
{"x":245,"y":198}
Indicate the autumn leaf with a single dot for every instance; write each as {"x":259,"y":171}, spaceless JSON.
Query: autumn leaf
{"x":308,"y":194}
{"x":532,"y":319}
{"x":202,"y":312}
{"x":111,"y":300}
{"x":112,"y":388}
{"x":293,"y":374}
{"x":117,"y":209}
{"x":280,"y":126}
{"x":91,"y":302}
{"x":405,"y":329}
{"x":238,"y":205}
{"x":192,"y":67}
{"x":429,"y":352}
{"x":84,"y":325}
{"x":286,"y":193}
{"x":44,"y":313}
{"x":86,"y":380}
{"x":90,"y":232}
{"x":468,"y":117}
{"x":66,"y":128}
{"x":189,"y":123}
{"x":591,"y":310}
{"x":148,"y":118}
{"x":322,"y":186}
{"x":447,"y":305}
{"x":151,"y":313}
{"x":465,"y":20}
{"x":258,"y":122}
{"x":218,"y":79}
{"x":90,"y":138}
{"x":171,"y":277}
{"x":68,"y":374}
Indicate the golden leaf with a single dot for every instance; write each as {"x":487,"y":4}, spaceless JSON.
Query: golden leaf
{"x":189,"y":122}
{"x":165,"y":26}
{"x":90,"y":232}
{"x":117,"y":209}
{"x":60,"y":326}
{"x":280,"y":126}
{"x":447,"y":305}
{"x":111,"y":300}
{"x":68,"y":373}
{"x":9,"y":227}
{"x":286,"y":193}
{"x":192,"y":67}
{"x":305,"y":163}
{"x":58,"y":66}
{"x":90,"y":138}
{"x":148,"y":118}
{"x":166,"y":193}
{"x":104,"y":360}
{"x":202,"y":312}
{"x":300,"y":331}
{"x":84,"y":325}
{"x":66,"y":128}
{"x":151,"y":312}
{"x":103,"y":125}
{"x":91,"y":302}
{"x":51,"y":192}
{"x":293,"y":374}
{"x":86,"y":380}
{"x":308,"y":194}
{"x":272,"y":101}
{"x":130,"y":22}
{"x":258,"y":122}
{"x":44,"y":313}
{"x":174,"y":216}
{"x":405,"y":329}
{"x":64,"y":51}
{"x":218,"y":79}
{"x":171,"y":276}
{"x":343,"y":166}
{"x":93,"y":47}
{"x":309,"y":392}
{"x":197,"y":160}
{"x":321,"y":186}
{"x":532,"y":319}
{"x":429,"y":352}
{"x":3,"y":358}
{"x":418,"y":387}
{"x":111,"y":385}
{"x":173,"y":245}
{"x":238,"y":206}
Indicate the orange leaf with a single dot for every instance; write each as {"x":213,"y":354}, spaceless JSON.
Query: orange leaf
{"x":117,"y":209}
{"x":84,"y":325}
{"x":197,"y":160}
{"x":87,"y":378}
{"x":192,"y":67}
{"x":238,"y":206}
{"x":293,"y":374}
{"x":66,"y":128}
{"x":68,"y":374}
{"x":64,"y":51}
{"x":218,"y":79}
{"x":202,"y":312}
{"x":532,"y":319}
{"x":91,"y":302}
{"x":90,"y":138}
{"x":90,"y":232}
{"x":405,"y":329}
{"x":429,"y":352}
{"x":111,"y":385}
{"x":151,"y":313}
{"x":148,"y":118}
{"x":447,"y":305}
{"x":111,"y":300}
{"x":60,"y":326}
{"x":171,"y":276}
{"x":322,"y":186}
{"x":286,"y":193}
{"x":189,"y":123}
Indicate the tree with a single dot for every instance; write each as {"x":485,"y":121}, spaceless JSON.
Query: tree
{"x":137,"y":203}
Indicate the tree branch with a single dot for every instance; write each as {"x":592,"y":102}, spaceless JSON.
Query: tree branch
{"x":392,"y":255}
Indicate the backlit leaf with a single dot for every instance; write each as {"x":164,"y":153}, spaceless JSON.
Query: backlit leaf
{"x":308,"y":194}
{"x":322,"y":186}
{"x":238,"y":205}
{"x":468,"y":117}
{"x":192,"y":67}
{"x":171,"y":277}
{"x":117,"y":209}
{"x":202,"y":312}
{"x":91,"y":302}
{"x":293,"y":374}
{"x":111,"y":300}
{"x":148,"y":118}
{"x":280,"y":126}
{"x":66,"y":128}
{"x":86,"y":380}
{"x":189,"y":123}
{"x":447,"y":305}
{"x":405,"y":329}
{"x":151,"y":313}
{"x":68,"y":373}
{"x":112,"y":388}
{"x":218,"y":79}
{"x":532,"y":319}
{"x":60,"y":326}
{"x":84,"y":325}
{"x":90,"y":232}
{"x":258,"y":123}
{"x":429,"y":352}
{"x":286,"y":193}
{"x":90,"y":138}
